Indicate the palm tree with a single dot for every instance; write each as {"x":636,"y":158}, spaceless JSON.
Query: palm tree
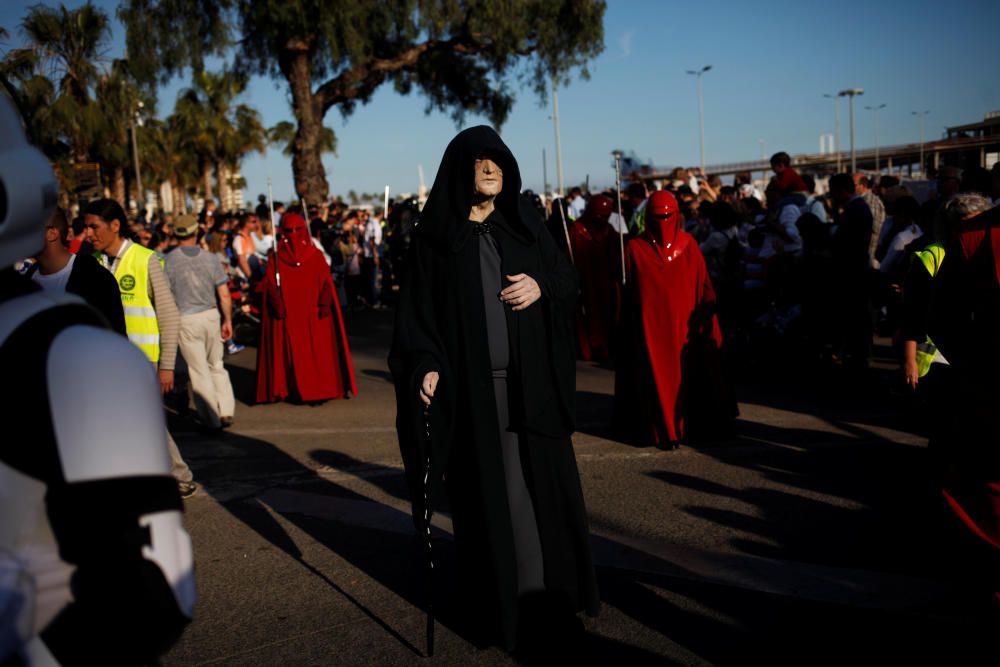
{"x":219,"y":133}
{"x":283,"y":134}
{"x":244,"y":134}
{"x":69,"y":45}
{"x":192,"y":121}
{"x":33,"y":94}
{"x":169,"y":157}
{"x":117,"y":97}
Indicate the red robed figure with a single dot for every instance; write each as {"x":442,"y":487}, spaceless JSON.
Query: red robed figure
{"x":669,"y":365}
{"x":597,"y":258}
{"x":303,"y":353}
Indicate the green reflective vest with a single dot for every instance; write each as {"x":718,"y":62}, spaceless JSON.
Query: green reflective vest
{"x":132,"y":275}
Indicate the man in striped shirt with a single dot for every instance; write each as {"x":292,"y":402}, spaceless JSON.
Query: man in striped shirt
{"x":152,"y":320}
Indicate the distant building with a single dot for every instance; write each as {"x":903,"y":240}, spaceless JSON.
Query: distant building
{"x":231,"y":190}
{"x":990,"y":127}
{"x":984,"y":136}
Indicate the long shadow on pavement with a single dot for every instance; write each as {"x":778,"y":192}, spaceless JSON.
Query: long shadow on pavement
{"x":861,"y":501}
{"x":386,"y":556}
{"x":600,"y":649}
{"x":725,"y":625}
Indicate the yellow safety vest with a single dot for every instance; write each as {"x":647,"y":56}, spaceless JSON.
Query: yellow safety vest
{"x":132,"y":275}
{"x":931,"y":257}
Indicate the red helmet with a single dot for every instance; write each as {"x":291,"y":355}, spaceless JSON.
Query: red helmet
{"x":663,"y":216}
{"x":662,"y":204}
{"x":599,"y":208}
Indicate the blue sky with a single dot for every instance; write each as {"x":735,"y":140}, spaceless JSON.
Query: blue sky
{"x":771,"y":65}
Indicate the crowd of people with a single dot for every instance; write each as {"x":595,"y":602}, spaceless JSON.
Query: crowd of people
{"x":814,"y":274}
{"x":184,"y":287}
{"x":671,"y":283}
{"x":693,"y":278}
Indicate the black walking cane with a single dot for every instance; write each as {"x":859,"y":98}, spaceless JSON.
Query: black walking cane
{"x":428,"y":549}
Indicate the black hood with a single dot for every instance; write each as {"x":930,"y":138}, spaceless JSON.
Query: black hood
{"x":445,"y":217}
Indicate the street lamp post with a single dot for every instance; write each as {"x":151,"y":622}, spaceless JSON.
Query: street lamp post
{"x":545,"y":177}
{"x":920,"y":115}
{"x":836,"y":130}
{"x":852,"y":93}
{"x":133,"y":117}
{"x":701,"y":112}
{"x":555,"y":121}
{"x":876,"y":109}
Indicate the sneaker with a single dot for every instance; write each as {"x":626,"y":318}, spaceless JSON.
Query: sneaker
{"x":187,"y":489}
{"x":232,"y":347}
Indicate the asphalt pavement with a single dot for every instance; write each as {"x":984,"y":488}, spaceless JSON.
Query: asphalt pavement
{"x":813,"y":536}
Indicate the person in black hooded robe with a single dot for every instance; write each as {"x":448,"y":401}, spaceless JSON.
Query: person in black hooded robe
{"x":483,"y":339}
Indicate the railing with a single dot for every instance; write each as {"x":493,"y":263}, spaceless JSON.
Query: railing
{"x":824,"y":159}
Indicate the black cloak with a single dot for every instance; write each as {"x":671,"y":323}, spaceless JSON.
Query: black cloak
{"x":441,"y":326}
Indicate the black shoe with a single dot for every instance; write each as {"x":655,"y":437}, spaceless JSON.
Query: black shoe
{"x":226,"y":421}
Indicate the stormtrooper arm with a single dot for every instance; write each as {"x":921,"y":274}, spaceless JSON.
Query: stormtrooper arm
{"x":116,"y":513}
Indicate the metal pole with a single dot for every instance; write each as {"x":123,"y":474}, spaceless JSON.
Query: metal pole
{"x":274,"y":236}
{"x":701,"y":125}
{"x":836,"y":115}
{"x":135,"y":158}
{"x":701,"y":113}
{"x":545,"y":176}
{"x":854,"y":157}
{"x":562,"y":215}
{"x":621,"y":220}
{"x":876,"y":139}
{"x":852,"y":93}
{"x":555,"y":121}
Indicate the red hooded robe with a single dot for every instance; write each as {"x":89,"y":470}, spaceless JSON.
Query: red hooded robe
{"x":597,"y":257}
{"x":303,"y":351}
{"x":669,"y":362}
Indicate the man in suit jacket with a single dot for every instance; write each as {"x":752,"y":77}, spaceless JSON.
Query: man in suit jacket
{"x":56,"y":268}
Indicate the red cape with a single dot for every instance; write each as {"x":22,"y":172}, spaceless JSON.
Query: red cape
{"x":303,"y":356}
{"x":597,"y":257}
{"x":671,"y":341}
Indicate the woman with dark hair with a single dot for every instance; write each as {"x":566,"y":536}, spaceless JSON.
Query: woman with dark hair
{"x":482,"y":359}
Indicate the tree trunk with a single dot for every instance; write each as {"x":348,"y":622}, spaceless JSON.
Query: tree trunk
{"x":118,"y":186}
{"x":307,"y":164}
{"x":180,"y":205}
{"x":206,"y":178}
{"x":222,"y":179}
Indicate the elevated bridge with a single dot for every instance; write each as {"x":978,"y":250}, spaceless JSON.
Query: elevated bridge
{"x":962,"y":152}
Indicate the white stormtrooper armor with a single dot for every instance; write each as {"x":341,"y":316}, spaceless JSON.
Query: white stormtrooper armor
{"x":95,"y":564}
